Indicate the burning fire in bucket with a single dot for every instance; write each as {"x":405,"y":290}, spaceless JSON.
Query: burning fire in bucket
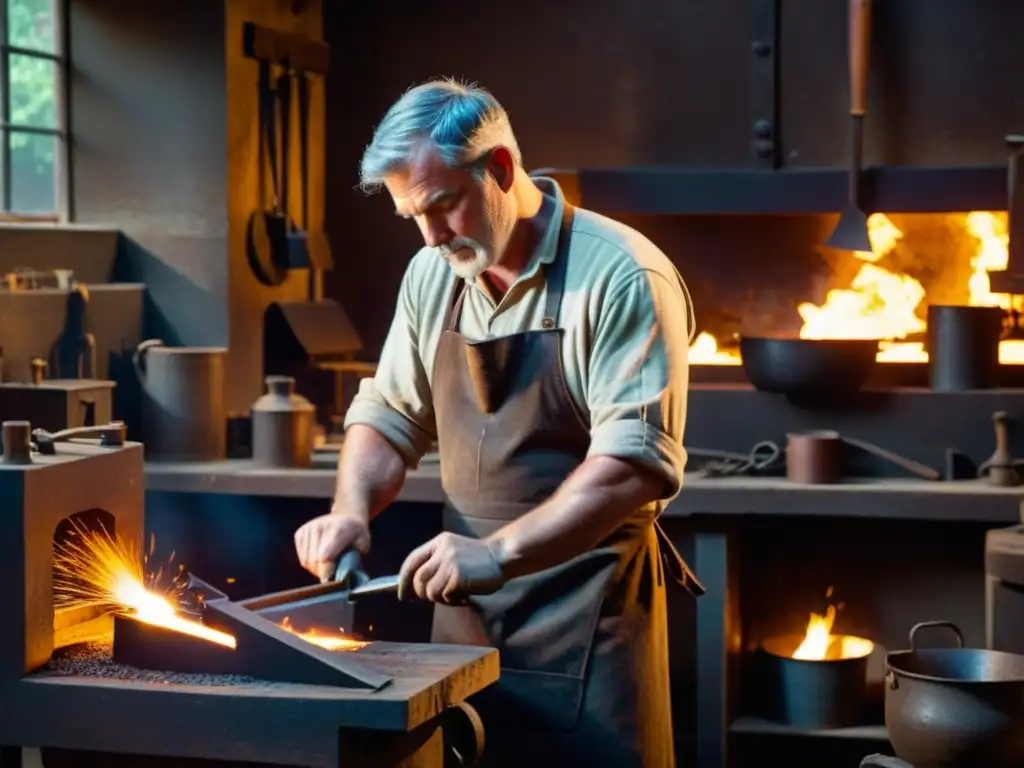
{"x":817,"y":679}
{"x":819,"y":644}
{"x":97,"y":569}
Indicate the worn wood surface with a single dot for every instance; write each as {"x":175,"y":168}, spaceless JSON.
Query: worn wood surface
{"x":886,"y":498}
{"x":259,"y":722}
{"x":421,"y":748}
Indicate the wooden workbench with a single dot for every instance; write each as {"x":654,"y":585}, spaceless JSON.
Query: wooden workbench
{"x":890,"y":498}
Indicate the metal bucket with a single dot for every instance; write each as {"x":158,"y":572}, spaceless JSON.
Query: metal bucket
{"x":955,"y":707}
{"x":813,"y":694}
{"x":183,"y":415}
{"x":963,"y":347}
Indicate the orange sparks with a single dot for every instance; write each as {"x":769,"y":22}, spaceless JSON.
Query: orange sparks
{"x":94,"y":568}
{"x":328,"y":641}
{"x":97,"y":569}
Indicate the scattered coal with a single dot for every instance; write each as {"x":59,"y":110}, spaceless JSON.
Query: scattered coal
{"x":93,"y":659}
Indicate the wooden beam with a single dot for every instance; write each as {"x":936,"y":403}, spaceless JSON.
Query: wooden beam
{"x":286,"y":49}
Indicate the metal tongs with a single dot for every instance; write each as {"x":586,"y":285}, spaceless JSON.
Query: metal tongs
{"x":329,"y":604}
{"x":349,"y":572}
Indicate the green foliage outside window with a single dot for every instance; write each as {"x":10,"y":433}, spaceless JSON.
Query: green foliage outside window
{"x":32,"y":101}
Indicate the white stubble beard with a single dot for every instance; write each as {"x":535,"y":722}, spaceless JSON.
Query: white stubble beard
{"x":500,"y":223}
{"x":466,"y":268}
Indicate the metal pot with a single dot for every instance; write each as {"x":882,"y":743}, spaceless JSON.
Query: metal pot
{"x":955,"y":707}
{"x":808,"y":367}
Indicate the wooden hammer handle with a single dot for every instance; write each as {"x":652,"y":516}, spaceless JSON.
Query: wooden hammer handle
{"x":860,"y":55}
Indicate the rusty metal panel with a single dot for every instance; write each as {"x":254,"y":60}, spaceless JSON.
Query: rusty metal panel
{"x":764,"y":52}
{"x":673,"y":191}
{"x":613,"y":83}
{"x":943,"y":87}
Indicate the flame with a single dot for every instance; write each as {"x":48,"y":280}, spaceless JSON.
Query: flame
{"x":819,"y":643}
{"x":331,"y":642}
{"x":94,"y":568}
{"x":705,"y":351}
{"x":882,"y":304}
{"x":879,"y":304}
{"x":993,"y":255}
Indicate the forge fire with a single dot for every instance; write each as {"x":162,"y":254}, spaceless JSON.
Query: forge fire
{"x":96,"y":569}
{"x":883,"y":295}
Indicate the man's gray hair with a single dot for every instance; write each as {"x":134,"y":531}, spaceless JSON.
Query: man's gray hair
{"x":462,"y":122}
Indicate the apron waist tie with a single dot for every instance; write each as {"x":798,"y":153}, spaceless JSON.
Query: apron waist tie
{"x":676,"y":566}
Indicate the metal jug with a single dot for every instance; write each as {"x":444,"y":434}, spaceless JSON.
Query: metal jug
{"x":183,"y":414}
{"x":282,"y":426}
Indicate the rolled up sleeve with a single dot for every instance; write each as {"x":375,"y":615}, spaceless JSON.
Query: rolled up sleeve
{"x":397,"y":402}
{"x":638,"y":376}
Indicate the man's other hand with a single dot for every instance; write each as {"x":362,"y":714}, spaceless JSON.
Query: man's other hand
{"x":322,"y":541}
{"x":449,"y":568}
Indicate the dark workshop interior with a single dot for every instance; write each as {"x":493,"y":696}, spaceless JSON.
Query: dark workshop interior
{"x":173,"y":401}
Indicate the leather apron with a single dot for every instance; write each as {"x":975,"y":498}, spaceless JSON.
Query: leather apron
{"x":583,"y":645}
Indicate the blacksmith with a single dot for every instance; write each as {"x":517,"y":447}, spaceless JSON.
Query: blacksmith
{"x":544,"y":347}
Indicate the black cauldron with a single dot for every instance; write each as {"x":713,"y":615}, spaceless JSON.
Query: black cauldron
{"x":955,"y":707}
{"x":808,"y":367}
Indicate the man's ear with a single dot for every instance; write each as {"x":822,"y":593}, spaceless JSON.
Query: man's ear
{"x":502,"y":167}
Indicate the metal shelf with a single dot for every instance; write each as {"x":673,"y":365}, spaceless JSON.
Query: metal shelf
{"x":678,"y":191}
{"x":757,"y":726}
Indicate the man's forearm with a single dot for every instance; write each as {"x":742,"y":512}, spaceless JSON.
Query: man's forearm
{"x":592,"y":502}
{"x":371,"y":473}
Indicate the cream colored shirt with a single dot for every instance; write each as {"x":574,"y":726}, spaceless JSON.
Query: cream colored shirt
{"x":624,"y":349}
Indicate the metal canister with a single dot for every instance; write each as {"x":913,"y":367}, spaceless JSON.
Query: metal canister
{"x":814,"y":458}
{"x":963,"y":347}
{"x":282,"y":426}
{"x":183,"y":412}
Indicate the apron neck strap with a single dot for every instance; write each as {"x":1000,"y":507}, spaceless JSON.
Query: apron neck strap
{"x":453,"y":312}
{"x":555,"y":271}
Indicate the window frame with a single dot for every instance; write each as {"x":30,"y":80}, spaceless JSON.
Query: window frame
{"x":61,"y":156}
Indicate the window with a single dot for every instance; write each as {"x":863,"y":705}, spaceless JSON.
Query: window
{"x":33,"y":123}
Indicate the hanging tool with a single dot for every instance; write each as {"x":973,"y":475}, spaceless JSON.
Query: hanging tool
{"x":851,"y":232}
{"x":267,"y":235}
{"x":310,"y":249}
